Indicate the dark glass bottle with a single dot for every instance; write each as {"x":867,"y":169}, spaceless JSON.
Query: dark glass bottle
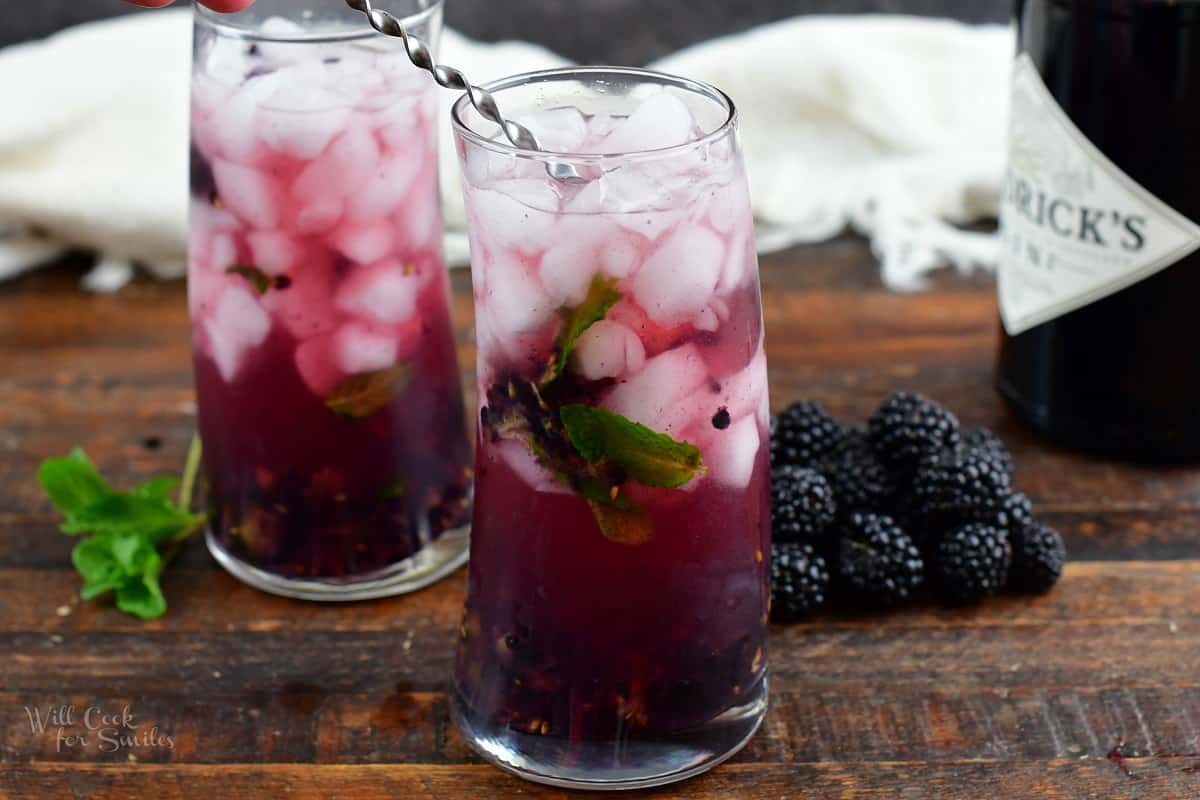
{"x":1117,"y":369}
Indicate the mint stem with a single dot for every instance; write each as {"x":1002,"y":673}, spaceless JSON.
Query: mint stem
{"x":187,"y":487}
{"x":191,"y":469}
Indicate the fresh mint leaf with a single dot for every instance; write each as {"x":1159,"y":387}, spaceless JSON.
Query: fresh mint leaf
{"x":157,"y":488}
{"x":601,"y":297}
{"x":648,"y":457}
{"x":631,"y":525}
{"x":142,"y":595}
{"x":261,"y":281}
{"x":120,"y":553}
{"x":72,"y":483}
{"x":362,"y":395}
{"x":128,"y":514}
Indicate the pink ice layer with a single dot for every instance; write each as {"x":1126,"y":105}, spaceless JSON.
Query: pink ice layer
{"x":677,"y":234}
{"x":326,"y":177}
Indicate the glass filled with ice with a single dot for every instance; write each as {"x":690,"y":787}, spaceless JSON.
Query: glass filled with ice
{"x":615,"y":628}
{"x":329,"y":395}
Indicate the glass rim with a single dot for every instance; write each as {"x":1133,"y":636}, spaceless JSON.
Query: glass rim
{"x":505,"y":147}
{"x":225,"y":25}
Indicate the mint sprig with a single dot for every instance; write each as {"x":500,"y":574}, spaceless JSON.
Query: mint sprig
{"x":601,"y":297}
{"x":129,"y":537}
{"x":645,"y":455}
{"x":261,"y":281}
{"x":362,"y":395}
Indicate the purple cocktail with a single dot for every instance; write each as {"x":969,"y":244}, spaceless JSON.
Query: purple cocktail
{"x":329,"y":398}
{"x":615,"y":629}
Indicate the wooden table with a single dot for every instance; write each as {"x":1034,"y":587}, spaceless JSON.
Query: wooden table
{"x":1091,"y":692}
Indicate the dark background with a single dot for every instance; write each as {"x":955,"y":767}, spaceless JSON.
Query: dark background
{"x":598,"y":31}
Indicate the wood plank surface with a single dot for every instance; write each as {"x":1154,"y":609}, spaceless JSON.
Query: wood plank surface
{"x":1090,"y":692}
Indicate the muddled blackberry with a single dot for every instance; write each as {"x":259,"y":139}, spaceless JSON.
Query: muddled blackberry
{"x":859,"y":480}
{"x":879,"y":566}
{"x":955,"y":487}
{"x":909,"y":427}
{"x":802,"y":505}
{"x":971,"y":563}
{"x":983,"y":443}
{"x":804,"y":433}
{"x":799,"y":581}
{"x":1038,"y":555}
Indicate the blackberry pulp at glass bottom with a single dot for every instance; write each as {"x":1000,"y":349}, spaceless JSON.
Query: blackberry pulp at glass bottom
{"x":615,"y":629}
{"x":329,"y":396}
{"x":1101,"y":226}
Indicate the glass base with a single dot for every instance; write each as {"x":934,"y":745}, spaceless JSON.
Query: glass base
{"x":607,"y":765}
{"x":436,"y":561}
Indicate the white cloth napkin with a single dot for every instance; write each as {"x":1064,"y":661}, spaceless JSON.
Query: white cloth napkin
{"x":893,"y":126}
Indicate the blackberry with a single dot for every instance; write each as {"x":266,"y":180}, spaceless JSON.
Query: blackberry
{"x":802,"y":506}
{"x":952,"y":488}
{"x":799,"y":581}
{"x":1038,"y":555}
{"x":1015,"y":512}
{"x":985,"y":444}
{"x":971,"y":563}
{"x":879,"y":565}
{"x":859,"y":480}
{"x":803,"y":433}
{"x":909,"y":427}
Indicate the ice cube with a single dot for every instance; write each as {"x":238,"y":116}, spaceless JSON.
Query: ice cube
{"x":652,"y":396}
{"x":639,"y":202}
{"x":517,"y":213}
{"x":305,"y":307}
{"x":234,"y":123}
{"x":525,"y":465}
{"x":567,"y":270}
{"x":316,"y":361}
{"x":365,"y":244}
{"x":679,"y":277}
{"x":302,"y":121}
{"x":387,"y":187}
{"x":385,"y":292}
{"x":222,"y":254}
{"x":729,"y":206}
{"x":618,"y":257}
{"x":744,"y":391}
{"x":255,"y":197}
{"x":516,"y":300}
{"x":559,"y":130}
{"x":363,"y":348}
{"x":733,"y":453}
{"x":419,"y":223}
{"x":280,"y":28}
{"x":659,"y":122}
{"x":706,"y":320}
{"x":207,"y":219}
{"x":740,"y":262}
{"x":274,"y":252}
{"x":237,"y":325}
{"x":342,"y":170}
{"x":204,"y":284}
{"x":396,"y":123}
{"x":318,"y":215}
{"x":608,"y":350}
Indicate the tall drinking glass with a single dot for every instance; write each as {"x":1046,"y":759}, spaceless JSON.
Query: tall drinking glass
{"x":615,"y":629}
{"x":329,"y":398}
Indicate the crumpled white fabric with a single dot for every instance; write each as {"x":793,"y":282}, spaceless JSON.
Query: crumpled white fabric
{"x":891,"y":125}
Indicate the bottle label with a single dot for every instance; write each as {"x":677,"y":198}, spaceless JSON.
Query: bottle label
{"x":1075,"y":228}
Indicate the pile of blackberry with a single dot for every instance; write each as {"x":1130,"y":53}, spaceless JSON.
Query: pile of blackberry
{"x":868,"y":518}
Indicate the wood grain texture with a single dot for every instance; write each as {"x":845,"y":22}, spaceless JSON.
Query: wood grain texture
{"x":1021,"y":698}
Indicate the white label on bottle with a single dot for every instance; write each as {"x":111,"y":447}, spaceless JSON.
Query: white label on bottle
{"x":1075,"y":228}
